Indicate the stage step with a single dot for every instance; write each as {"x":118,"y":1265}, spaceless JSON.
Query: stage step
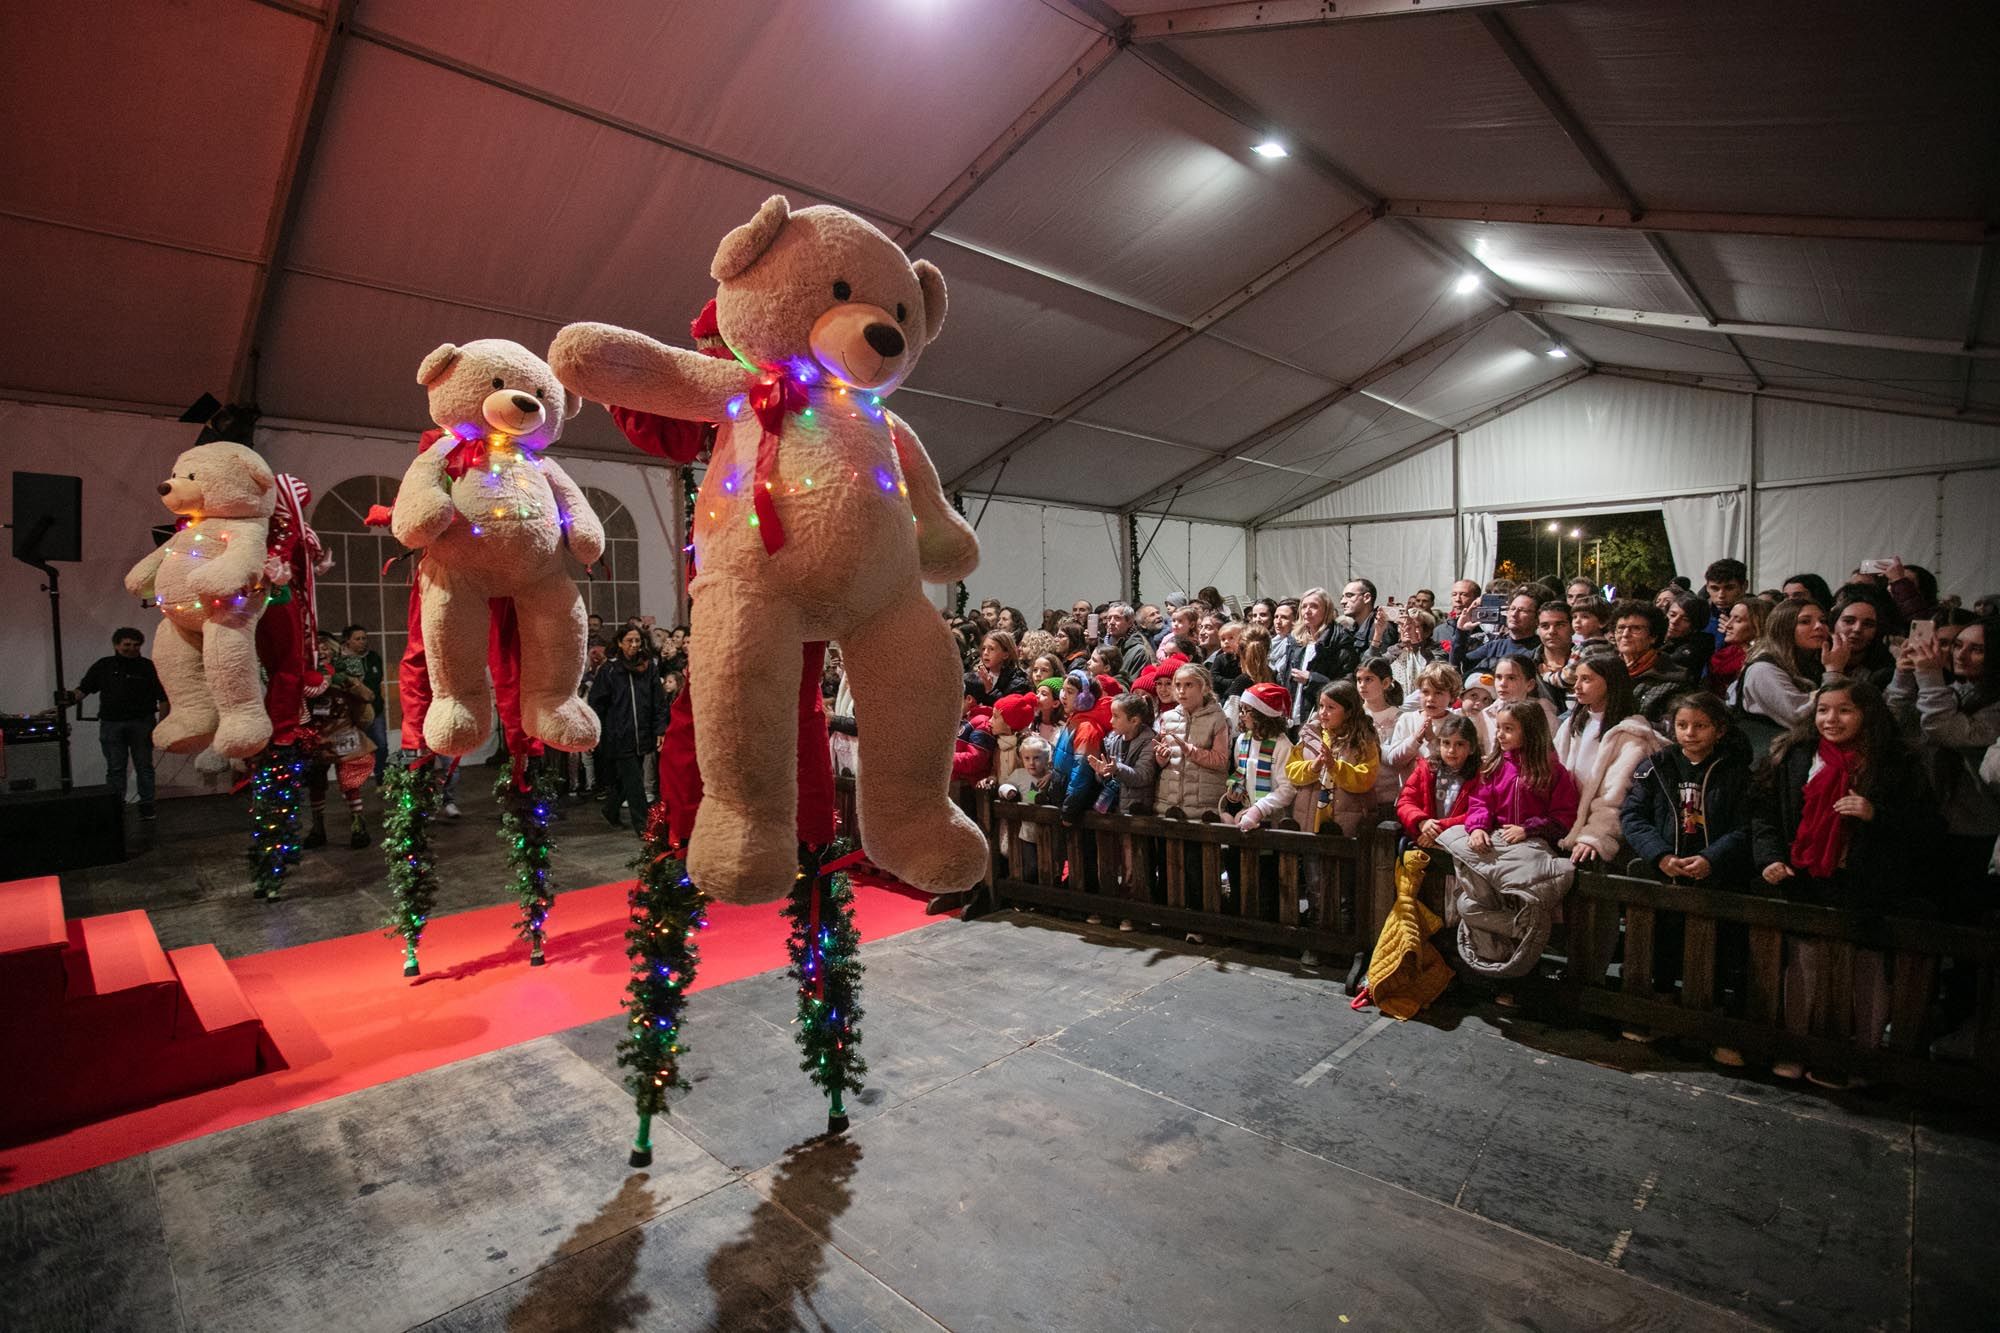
{"x":33,"y":938}
{"x":215,"y":1002}
{"x":124,"y":953}
{"x":120,"y":980}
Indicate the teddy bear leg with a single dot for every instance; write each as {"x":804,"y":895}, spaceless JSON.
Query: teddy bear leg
{"x":229,"y":661}
{"x":553,"y":630}
{"x":190,"y":720}
{"x":455,"y":625}
{"x":744,"y":847}
{"x":901,"y":666}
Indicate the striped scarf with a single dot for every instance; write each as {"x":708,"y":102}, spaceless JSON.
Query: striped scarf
{"x":1253,"y":765}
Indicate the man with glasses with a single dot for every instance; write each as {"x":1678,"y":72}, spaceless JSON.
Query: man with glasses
{"x":1520,"y":640}
{"x":1637,"y":630}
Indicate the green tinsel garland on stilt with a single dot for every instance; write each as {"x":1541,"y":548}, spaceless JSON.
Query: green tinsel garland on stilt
{"x":667,"y":911}
{"x":526,"y":795}
{"x":277,"y":783}
{"x":826,"y":962}
{"x":412,"y":797}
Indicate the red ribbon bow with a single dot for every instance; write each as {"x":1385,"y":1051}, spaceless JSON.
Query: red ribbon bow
{"x":771,"y":398}
{"x":465,"y":456}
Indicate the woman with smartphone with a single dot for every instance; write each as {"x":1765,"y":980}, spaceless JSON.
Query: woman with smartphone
{"x":1954,"y":722}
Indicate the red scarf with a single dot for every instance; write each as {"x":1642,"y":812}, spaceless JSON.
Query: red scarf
{"x":1641,"y":664}
{"x":1725,"y":665}
{"x":1822,"y":838}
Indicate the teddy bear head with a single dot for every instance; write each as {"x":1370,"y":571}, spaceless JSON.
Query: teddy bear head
{"x":494,"y":387}
{"x":219,"y":480}
{"x":821,"y":293}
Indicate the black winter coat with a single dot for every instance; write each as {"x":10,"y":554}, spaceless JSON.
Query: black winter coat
{"x":1890,"y":853}
{"x":1650,"y":819}
{"x":631,"y":708}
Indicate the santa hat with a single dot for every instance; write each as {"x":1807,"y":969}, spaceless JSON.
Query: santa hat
{"x":1269,"y":699}
{"x":1016,"y":712}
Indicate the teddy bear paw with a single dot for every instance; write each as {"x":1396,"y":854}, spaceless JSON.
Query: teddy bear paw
{"x":570,"y":726}
{"x":450,"y":728}
{"x":941,"y":854}
{"x":739,"y":856}
{"x":182,"y":731}
{"x":242,"y":732}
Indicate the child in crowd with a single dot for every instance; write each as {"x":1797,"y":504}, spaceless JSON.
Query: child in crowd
{"x":1415,"y":736}
{"x":1602,"y":743}
{"x":1333,"y":768}
{"x":1438,"y":795}
{"x":1842,"y":815}
{"x":1082,"y":737}
{"x":339,"y":709}
{"x":1024,"y":783}
{"x":1128,"y":765}
{"x":1192,"y":747}
{"x":1687,"y":814}
{"x":1258,"y":785}
{"x":1382,"y":700}
{"x":1510,"y":877}
{"x":1048,"y":709}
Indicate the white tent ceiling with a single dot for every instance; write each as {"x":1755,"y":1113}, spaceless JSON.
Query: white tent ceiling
{"x":293,"y":202}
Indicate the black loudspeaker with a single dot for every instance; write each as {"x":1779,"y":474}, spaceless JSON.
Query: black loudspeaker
{"x":48,"y":517}
{"x":43,"y":832}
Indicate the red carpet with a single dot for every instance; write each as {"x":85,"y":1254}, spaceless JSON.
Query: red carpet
{"x":345,"y":1018}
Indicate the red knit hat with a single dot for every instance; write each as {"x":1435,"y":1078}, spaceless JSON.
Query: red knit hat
{"x":1269,"y":699}
{"x":1109,"y":687}
{"x":1017,"y":711}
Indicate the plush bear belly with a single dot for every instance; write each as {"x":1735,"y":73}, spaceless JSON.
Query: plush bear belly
{"x":507,"y":531}
{"x":173,"y":583}
{"x":850,"y":542}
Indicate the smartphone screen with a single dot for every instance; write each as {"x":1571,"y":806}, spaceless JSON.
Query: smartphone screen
{"x":1090,"y":625}
{"x":1491,"y":608}
{"x":1923,"y":631}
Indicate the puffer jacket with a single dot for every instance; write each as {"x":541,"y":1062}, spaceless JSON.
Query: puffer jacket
{"x":1506,"y":798}
{"x":1136,"y":770}
{"x":1601,"y":792}
{"x":1651,"y":817}
{"x":1183,"y":782}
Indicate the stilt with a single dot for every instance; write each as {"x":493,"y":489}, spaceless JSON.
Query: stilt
{"x":642,"y":1146}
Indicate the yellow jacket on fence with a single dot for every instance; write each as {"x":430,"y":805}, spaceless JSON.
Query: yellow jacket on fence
{"x":1406,"y":973}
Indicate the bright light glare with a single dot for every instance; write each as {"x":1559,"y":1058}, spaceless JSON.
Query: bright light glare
{"x":1270,"y":148}
{"x":1467,"y":282}
{"x":1554,"y":526}
{"x":1558,"y":352}
{"x":1576,"y":532}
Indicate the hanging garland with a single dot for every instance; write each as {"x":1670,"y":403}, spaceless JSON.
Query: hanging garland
{"x":276,"y":785}
{"x":826,"y":963}
{"x":1132,"y":551}
{"x":526,"y":795}
{"x":412,"y":796}
{"x":960,"y":598}
{"x":667,"y":910}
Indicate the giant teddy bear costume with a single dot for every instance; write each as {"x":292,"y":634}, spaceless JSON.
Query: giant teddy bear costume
{"x":210,"y":582}
{"x":492,"y":515}
{"x":819,"y":518}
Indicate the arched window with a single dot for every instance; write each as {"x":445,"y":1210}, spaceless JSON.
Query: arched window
{"x":356,"y":591}
{"x":614,"y":592}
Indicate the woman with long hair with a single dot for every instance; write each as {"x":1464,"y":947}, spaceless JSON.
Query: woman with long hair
{"x":1955,"y":722}
{"x":1312,"y":657}
{"x":1857,"y":647}
{"x":1687,"y":645}
{"x":1783,"y":667}
{"x":1740,"y":629}
{"x":1842,"y":817}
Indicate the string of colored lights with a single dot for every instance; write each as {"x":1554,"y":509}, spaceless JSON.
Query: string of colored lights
{"x":276,"y":784}
{"x":525,"y":807}
{"x":667,"y":912}
{"x":826,"y":962}
{"x":412,"y":797}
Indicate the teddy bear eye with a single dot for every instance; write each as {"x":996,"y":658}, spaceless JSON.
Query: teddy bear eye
{"x":499,"y":383}
{"x":841,"y":291}
{"x":901,"y":312}
{"x":542,"y":394}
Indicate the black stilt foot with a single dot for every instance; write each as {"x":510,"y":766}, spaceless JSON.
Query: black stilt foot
{"x":836,"y":1124}
{"x":640,"y":1157}
{"x":409,"y":969}
{"x":536,"y":960}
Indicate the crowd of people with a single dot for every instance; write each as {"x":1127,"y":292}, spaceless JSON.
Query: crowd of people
{"x":1828,"y":745}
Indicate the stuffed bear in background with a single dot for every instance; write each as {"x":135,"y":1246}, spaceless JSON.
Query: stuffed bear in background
{"x":492,"y":516}
{"x":209,"y":581}
{"x":820,"y":517}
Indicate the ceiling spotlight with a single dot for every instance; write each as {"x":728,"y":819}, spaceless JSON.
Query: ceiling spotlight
{"x":1558,"y":351}
{"x":1270,"y":148}
{"x":1467,"y":282}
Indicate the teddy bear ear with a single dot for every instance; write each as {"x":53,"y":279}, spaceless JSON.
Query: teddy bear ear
{"x":436,"y":364}
{"x":741,"y":247}
{"x":932,"y":283}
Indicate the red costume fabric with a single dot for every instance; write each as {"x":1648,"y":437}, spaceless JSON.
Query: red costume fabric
{"x":680,"y":767}
{"x":286,"y":630}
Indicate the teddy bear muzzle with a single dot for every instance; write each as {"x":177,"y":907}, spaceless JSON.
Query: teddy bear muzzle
{"x":179,"y":496}
{"x":512,"y":412}
{"x":860,"y":345}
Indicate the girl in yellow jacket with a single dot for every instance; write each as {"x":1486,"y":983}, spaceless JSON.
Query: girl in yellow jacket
{"x":1333,"y":765}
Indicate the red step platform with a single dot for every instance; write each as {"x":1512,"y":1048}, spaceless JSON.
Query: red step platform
{"x":96,"y":1018}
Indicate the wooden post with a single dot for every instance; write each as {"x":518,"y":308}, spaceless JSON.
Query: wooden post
{"x":1698,"y":964}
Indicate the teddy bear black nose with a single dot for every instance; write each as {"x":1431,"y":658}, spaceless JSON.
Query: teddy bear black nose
{"x":526,"y":402}
{"x":166,"y":488}
{"x":884,"y":338}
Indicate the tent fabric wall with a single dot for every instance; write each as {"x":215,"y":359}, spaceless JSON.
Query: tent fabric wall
{"x":1701,"y":528}
{"x":1832,"y":529}
{"x":1969,"y":542}
{"x":1290,"y":560}
{"x":1604,"y":438}
{"x":1413,"y":485}
{"x":1036,"y":556}
{"x":1796,"y":441}
{"x":1180,"y":558}
{"x":1400,"y":556}
{"x":1479,"y":539}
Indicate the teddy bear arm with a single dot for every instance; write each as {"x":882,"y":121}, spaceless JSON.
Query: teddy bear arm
{"x":239,"y":566}
{"x":139,"y":580}
{"x":423,"y":507}
{"x":947,"y":548}
{"x":583,"y":530}
{"x":613,"y":365}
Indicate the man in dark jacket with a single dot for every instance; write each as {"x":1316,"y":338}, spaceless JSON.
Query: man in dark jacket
{"x":1122,"y":631}
{"x":132,"y":698}
{"x":1521,"y":640}
{"x":631,"y":710}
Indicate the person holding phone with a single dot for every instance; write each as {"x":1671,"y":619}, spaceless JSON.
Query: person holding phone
{"x":1954,"y":723}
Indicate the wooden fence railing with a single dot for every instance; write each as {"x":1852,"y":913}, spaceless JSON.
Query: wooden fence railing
{"x":1703,"y":963}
